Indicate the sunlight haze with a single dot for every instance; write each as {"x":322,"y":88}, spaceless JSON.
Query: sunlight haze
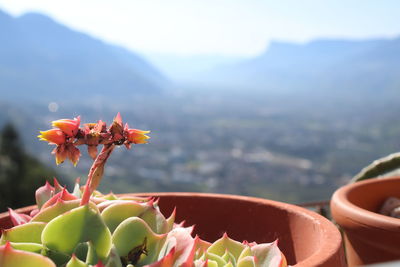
{"x":234,"y":28}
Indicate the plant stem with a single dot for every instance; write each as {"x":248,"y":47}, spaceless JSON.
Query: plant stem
{"x":96,"y":172}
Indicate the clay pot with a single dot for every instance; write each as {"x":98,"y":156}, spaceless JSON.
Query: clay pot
{"x":369,"y":237}
{"x":306,"y":238}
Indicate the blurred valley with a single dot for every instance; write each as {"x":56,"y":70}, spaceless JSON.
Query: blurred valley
{"x":291,"y":124}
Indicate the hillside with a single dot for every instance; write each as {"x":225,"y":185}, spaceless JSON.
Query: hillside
{"x":42,"y":59}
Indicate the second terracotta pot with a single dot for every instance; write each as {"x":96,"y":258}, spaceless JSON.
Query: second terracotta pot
{"x":369,"y":237}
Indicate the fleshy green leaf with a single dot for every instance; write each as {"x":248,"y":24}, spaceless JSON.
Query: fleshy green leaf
{"x":43,"y":194}
{"x":154,"y":218}
{"x":110,"y":196}
{"x":60,"y":207}
{"x":114,"y":214}
{"x":245,"y":252}
{"x":79,"y":225}
{"x":132,"y":237}
{"x":18,"y":218}
{"x":91,"y":257}
{"x":81,"y":251}
{"x":27,"y":233}
{"x":225,"y":243}
{"x":247,"y":261}
{"x":10,"y":257}
{"x":170,"y":221}
{"x":75,"y":262}
{"x":184,"y":245}
{"x":113,"y":259}
{"x":77,"y":190}
{"x":268,"y":254}
{"x":229,"y":264}
{"x":218,"y":259}
{"x":212,"y":263}
{"x":201,"y":248}
{"x":30,"y":247}
{"x":166,"y":261}
{"x":228,"y":257}
{"x":57,"y":257}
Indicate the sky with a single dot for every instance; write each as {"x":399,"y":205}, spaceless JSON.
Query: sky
{"x":220,"y":27}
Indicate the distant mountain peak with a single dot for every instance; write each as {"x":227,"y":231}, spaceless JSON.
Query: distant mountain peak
{"x":35,"y":15}
{"x":4,"y":15}
{"x":43,"y":58}
{"x":322,"y":64}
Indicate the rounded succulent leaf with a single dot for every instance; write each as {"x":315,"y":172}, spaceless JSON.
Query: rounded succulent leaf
{"x":133,"y":237}
{"x":75,"y":262}
{"x":245,"y":252}
{"x":78,"y":225}
{"x":247,"y":261}
{"x":30,"y":247}
{"x":81,"y":250}
{"x":10,"y":257}
{"x":27,"y":233}
{"x":57,"y":257}
{"x":114,"y":214}
{"x":268,"y":254}
{"x":229,"y":264}
{"x":212,"y":263}
{"x":154,"y":218}
{"x":228,"y":257}
{"x":60,"y":207}
{"x":113,"y":259}
{"x":216,"y":258}
{"x":224,"y":244}
{"x":43,"y":194}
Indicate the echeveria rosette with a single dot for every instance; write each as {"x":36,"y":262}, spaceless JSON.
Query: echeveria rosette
{"x":113,"y":231}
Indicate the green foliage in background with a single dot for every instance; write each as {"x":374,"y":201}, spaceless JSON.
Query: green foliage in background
{"x":20,"y":173}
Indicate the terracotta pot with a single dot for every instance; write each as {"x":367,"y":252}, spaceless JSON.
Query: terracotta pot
{"x":306,"y":238}
{"x":369,"y":237}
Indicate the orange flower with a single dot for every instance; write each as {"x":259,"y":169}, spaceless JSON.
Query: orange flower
{"x":53,"y":136}
{"x":65,"y":151}
{"x":137,"y":136}
{"x":69,"y":127}
{"x":73,"y":154}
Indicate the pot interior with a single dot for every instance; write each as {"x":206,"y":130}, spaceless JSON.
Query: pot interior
{"x":372,"y":194}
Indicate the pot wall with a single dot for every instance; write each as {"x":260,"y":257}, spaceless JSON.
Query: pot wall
{"x":369,"y":237}
{"x":306,"y":238}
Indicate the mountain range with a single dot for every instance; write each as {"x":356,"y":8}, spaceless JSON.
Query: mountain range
{"x":317,"y":65}
{"x":42,"y":59}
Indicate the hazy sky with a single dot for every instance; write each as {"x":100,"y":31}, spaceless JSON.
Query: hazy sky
{"x":230,"y":27}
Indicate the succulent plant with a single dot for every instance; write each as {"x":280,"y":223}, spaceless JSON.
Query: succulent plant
{"x":86,"y":228}
{"x":381,"y":167}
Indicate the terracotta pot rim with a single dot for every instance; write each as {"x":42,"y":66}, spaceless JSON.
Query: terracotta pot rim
{"x":340,"y":200}
{"x":330,"y":239}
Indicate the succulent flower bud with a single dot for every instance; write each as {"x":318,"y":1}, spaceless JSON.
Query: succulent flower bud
{"x":136,"y":136}
{"x":53,"y":136}
{"x":67,"y":126}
